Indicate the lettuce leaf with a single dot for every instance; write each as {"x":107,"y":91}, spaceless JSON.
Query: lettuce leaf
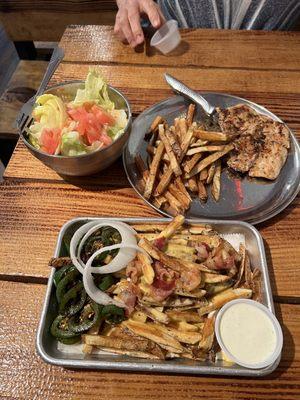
{"x":72,"y":145}
{"x":95,"y":90}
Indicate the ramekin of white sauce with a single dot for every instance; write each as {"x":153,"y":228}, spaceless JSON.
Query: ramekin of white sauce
{"x":248,"y":333}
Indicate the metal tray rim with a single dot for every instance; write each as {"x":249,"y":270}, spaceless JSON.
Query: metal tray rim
{"x":147,"y":366}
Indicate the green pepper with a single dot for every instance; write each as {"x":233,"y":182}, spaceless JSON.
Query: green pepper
{"x":113,"y":314}
{"x":73,"y":300}
{"x":60,"y":330}
{"x":106,"y":282}
{"x":66,"y":283}
{"x":61,"y":273}
{"x":89,"y":316}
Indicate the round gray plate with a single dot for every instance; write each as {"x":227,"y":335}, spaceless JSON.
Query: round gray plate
{"x":245,"y":199}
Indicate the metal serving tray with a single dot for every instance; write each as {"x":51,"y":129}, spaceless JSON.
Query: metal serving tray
{"x":47,"y":345}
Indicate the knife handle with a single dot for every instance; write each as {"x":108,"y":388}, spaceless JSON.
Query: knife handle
{"x":185,"y":91}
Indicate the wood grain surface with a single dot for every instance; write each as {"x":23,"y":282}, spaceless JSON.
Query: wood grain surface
{"x":146,"y":79}
{"x":201,"y":48}
{"x":32,"y":214}
{"x":24,"y":375}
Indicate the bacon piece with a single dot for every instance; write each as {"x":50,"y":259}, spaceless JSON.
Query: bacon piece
{"x":164,"y":282}
{"x":160,"y":243}
{"x":128,"y":295}
{"x":134,"y":271}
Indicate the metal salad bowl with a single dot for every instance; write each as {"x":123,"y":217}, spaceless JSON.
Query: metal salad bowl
{"x":91,"y":163}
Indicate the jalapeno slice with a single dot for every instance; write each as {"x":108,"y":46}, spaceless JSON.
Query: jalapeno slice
{"x":106,"y":282}
{"x":66,"y":283}
{"x":61,"y":273}
{"x":113,"y":314}
{"x":60,"y":330}
{"x":73,"y":300}
{"x":89,"y":316}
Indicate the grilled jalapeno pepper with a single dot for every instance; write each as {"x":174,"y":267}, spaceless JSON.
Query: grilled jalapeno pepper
{"x":89,"y":316}
{"x":60,"y":330}
{"x":113,"y":314}
{"x":106,"y":282}
{"x":73,"y":300}
{"x":66,"y":283}
{"x":61,"y":273}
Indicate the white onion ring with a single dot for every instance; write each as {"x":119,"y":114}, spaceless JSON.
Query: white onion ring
{"x":126,"y":238}
{"x":83,"y":233}
{"x":88,"y":281}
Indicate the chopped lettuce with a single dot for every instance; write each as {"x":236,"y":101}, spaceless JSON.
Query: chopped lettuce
{"x":95,"y":90}
{"x":50,"y":113}
{"x":117,"y":130}
{"x":72,"y":145}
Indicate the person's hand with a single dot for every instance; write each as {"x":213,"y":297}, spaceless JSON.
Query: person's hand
{"x":128,"y":26}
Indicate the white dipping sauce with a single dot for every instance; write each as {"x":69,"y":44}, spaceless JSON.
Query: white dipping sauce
{"x":248,"y":333}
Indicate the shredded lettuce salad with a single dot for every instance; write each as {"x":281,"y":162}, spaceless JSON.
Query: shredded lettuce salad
{"x":87,"y":123}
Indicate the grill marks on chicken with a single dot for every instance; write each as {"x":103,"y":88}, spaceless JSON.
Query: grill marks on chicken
{"x":261,"y":144}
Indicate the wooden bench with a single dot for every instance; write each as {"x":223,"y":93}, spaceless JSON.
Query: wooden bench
{"x":21,"y":87}
{"x":46,"y":20}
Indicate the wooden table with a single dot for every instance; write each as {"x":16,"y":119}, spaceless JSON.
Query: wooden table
{"x":35,"y":202}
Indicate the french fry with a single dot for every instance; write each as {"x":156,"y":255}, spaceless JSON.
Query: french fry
{"x":210,"y":136}
{"x":158,"y":120}
{"x":214,"y":278}
{"x":189,"y":337}
{"x":208,"y":333}
{"x":190,"y":114}
{"x":202,"y":192}
{"x":192,"y":162}
{"x":173,"y":160}
{"x":177,"y":206}
{"x":172,"y":227}
{"x":182,"y":127}
{"x":150,"y":331}
{"x":209,"y":160}
{"x":192,"y":184}
{"x":181,"y":197}
{"x":216,"y":183}
{"x":148,"y":273}
{"x":204,"y":149}
{"x":203,"y":175}
{"x":182,"y":188}
{"x":210,"y":173}
{"x":185,"y":316}
{"x":153,"y":170}
{"x":222,"y":298}
{"x":174,"y":143}
{"x":241,"y":271}
{"x":171,"y":262}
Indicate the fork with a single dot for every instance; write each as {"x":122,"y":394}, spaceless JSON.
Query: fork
{"x":24,"y":119}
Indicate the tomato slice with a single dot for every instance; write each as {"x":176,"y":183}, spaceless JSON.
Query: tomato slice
{"x":50,"y":139}
{"x":103,"y":117}
{"x":91,"y":121}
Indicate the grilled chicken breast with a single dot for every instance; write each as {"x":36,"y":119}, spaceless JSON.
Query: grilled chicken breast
{"x":261,"y":144}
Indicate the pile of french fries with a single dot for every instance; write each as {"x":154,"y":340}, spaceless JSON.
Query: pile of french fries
{"x":184,"y":160}
{"x":182,"y":324}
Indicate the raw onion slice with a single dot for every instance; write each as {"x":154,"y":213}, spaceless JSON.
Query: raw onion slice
{"x":88,"y":281}
{"x":83,"y":233}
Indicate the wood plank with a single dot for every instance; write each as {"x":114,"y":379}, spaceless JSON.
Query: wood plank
{"x":22,"y":86}
{"x":199,"y":48}
{"x":23,"y":371}
{"x":32,"y":213}
{"x":144,"y":79}
{"x":49,"y":25}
